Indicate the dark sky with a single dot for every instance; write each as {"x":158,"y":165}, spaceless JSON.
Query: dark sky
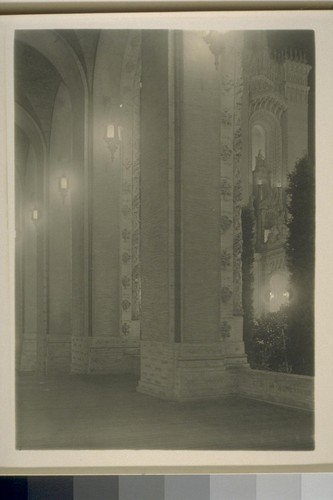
{"x":300,"y":39}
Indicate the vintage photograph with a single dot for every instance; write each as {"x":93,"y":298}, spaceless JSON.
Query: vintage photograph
{"x":165,"y":239}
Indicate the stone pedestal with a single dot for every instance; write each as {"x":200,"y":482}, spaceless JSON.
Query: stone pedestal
{"x":191,"y":315}
{"x":183,"y":371}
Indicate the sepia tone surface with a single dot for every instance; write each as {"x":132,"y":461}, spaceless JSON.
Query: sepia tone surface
{"x":135,"y":152}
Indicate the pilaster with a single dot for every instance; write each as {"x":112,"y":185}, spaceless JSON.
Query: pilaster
{"x":231,"y":311}
{"x":190,"y":207}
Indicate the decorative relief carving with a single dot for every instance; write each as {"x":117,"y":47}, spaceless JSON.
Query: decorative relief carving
{"x":226,"y":117}
{"x":125,"y":328}
{"x":237,"y":190}
{"x":296,"y":71}
{"x":231,"y":154}
{"x":136,"y":292}
{"x":226,"y":223}
{"x":225,"y":330}
{"x":226,"y":188}
{"x":227,"y":83}
{"x":226,"y":152}
{"x":225,"y":260}
{"x":226,"y":294}
{"x":125,"y":258}
{"x":135,"y":239}
{"x":130,"y":178}
{"x":126,"y":281}
{"x":267,"y":102}
{"x":237,"y":200}
{"x":126,"y":234}
{"x":237,"y":302}
{"x":125,"y":304}
{"x":237,"y":144}
{"x":136,"y":281}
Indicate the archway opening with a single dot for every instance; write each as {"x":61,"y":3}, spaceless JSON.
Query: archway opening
{"x":258,"y":142}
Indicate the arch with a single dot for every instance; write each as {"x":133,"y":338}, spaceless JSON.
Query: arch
{"x":269,"y":123}
{"x":26,"y":122}
{"x":60,"y":53}
{"x":258,"y":142}
{"x":63,"y":57}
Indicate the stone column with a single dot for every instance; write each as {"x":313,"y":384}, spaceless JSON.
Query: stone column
{"x":157,"y":215}
{"x":59,"y":340}
{"x":191,"y":322}
{"x":231,"y":310}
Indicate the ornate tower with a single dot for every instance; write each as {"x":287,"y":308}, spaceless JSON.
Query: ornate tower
{"x":276,"y":119}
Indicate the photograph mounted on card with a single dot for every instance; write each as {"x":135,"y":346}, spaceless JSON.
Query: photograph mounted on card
{"x":162,"y":208}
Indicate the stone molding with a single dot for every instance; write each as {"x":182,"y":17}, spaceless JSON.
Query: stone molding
{"x":130,"y":187}
{"x":182,"y":372}
{"x":296,"y":391}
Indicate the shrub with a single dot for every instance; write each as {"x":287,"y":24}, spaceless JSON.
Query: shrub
{"x":270,"y":342}
{"x":300,"y":252}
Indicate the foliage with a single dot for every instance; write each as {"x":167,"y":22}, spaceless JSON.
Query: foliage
{"x":270,"y":341}
{"x":300,"y":252}
{"x":248,"y":223}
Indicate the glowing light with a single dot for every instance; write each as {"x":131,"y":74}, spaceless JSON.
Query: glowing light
{"x":109,"y":131}
{"x":63,"y":183}
{"x":113,"y":138}
{"x":34,"y":214}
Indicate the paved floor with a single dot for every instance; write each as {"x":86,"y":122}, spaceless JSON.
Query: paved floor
{"x":106,"y":412}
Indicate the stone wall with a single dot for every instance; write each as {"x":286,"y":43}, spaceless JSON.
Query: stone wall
{"x":79,"y":361}
{"x":280,"y":388}
{"x":101,"y":355}
{"x":58,"y":354}
{"x":185,"y":371}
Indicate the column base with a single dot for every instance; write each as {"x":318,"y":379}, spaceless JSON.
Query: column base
{"x":58,"y":354}
{"x":235,"y":356}
{"x":185,"y":372}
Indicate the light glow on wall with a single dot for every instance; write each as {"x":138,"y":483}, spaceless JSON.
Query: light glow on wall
{"x":279,"y":294}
